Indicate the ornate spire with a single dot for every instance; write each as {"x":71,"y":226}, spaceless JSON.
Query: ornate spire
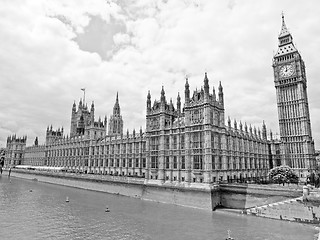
{"x":284,"y":30}
{"x":116,"y":108}
{"x":171,"y":105}
{"x":221,"y":94}
{"x":148,"y":101}
{"x":187,"y":84}
{"x":74,"y":107}
{"x":163,"y":97}
{"x":187,"y":92}
{"x":80,"y":104}
{"x":214,"y":94}
{"x":178,"y":103}
{"x":206,"y":84}
{"x":264,"y":131}
{"x":286,"y":45}
{"x":115,"y":121}
{"x":220,"y":87}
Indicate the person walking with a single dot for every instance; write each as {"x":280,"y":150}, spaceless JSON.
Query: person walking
{"x":9,"y":172}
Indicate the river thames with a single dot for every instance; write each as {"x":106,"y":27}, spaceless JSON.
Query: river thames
{"x":35,"y":210}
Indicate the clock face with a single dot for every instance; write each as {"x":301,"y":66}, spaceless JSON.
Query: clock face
{"x":286,"y":70}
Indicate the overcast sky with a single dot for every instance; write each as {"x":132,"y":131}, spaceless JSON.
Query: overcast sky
{"x":51,"y":49}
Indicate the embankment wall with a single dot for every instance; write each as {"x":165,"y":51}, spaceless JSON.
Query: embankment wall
{"x":242,"y":196}
{"x":295,"y":210}
{"x":197,"y":198}
{"x":236,"y":196}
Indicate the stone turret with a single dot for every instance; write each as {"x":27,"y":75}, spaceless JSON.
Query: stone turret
{"x":116,"y":122}
{"x":221,"y":101}
{"x":187,"y":93}
{"x":148,"y":102}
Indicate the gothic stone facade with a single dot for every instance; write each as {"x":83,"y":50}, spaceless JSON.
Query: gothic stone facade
{"x":194,"y":145}
{"x":297,"y":145}
{"x":34,"y":155}
{"x":180,"y":145}
{"x":15,"y":150}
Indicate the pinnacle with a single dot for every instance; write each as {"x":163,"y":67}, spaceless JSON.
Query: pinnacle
{"x":284,"y":30}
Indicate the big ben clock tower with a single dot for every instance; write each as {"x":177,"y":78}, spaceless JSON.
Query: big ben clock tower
{"x":297,"y":145}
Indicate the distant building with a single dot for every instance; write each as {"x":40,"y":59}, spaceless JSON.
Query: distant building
{"x":15,"y":150}
{"x":297,"y":145}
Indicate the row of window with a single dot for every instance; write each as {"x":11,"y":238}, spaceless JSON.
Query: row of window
{"x":99,"y":150}
{"x":137,"y":163}
{"x":197,"y":142}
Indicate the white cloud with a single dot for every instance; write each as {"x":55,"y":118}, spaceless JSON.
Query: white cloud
{"x":121,"y":38}
{"x":159,"y":44}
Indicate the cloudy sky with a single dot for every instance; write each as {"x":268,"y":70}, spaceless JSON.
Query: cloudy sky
{"x":51,"y":49}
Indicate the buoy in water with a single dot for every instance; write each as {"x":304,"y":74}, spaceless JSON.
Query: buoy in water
{"x":229,"y":237}
{"x":67,"y":199}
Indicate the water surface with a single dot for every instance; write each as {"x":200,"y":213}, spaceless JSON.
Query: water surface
{"x":35,"y":210}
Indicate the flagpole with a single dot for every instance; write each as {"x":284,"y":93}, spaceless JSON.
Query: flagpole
{"x":84,"y":95}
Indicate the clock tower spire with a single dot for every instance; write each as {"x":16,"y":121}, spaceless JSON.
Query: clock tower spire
{"x":293,"y":109}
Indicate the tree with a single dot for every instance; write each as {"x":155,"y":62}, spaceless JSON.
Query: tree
{"x":283,"y":174}
{"x":2,"y":154}
{"x":314,"y":178}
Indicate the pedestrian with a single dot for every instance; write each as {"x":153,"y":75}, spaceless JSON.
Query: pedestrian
{"x":9,"y":172}
{"x":1,"y":170}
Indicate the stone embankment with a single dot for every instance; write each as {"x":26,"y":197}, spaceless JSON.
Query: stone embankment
{"x":302,"y":209}
{"x":189,"y":196}
{"x":244,"y":196}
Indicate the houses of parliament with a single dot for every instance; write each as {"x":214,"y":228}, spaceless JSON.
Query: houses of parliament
{"x":185,"y":143}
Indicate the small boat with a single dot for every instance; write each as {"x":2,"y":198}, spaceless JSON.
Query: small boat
{"x":67,"y":199}
{"x":30,"y":190}
{"x":107,"y":209}
{"x":229,"y":238}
